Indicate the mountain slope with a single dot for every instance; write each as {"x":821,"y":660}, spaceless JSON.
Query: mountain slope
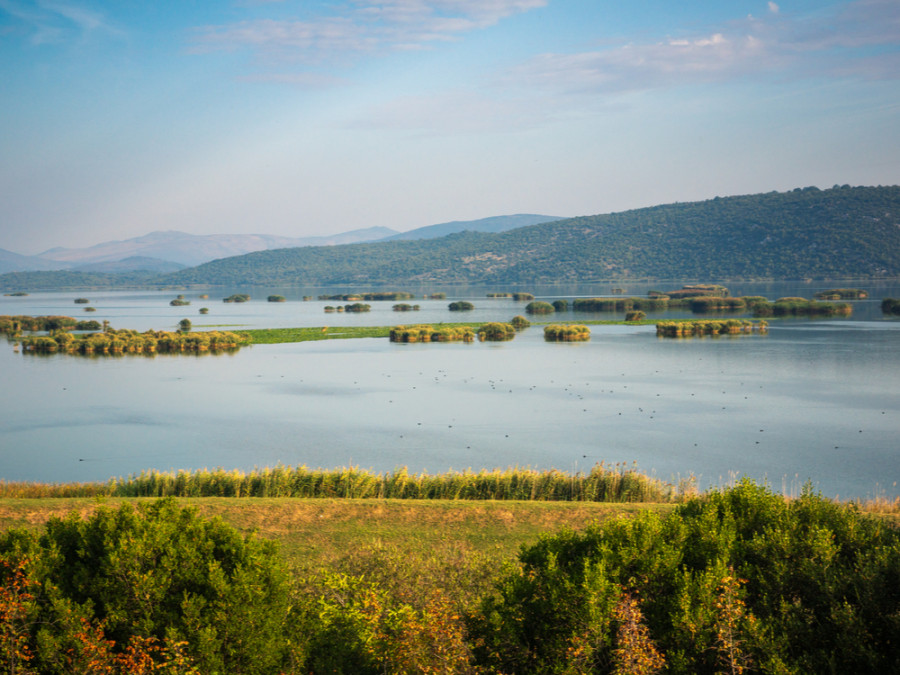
{"x":840,"y":232}
{"x":14,"y":262}
{"x":192,"y":249}
{"x":492,"y":224}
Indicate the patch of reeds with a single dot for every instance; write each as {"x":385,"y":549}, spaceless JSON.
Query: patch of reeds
{"x":618,"y":483}
{"x":675,"y":329}
{"x":558,"y":332}
{"x":237,"y":297}
{"x":461,"y":306}
{"x":890,"y":306}
{"x":842,"y":294}
{"x":802,"y":307}
{"x":522,"y":297}
{"x":495,"y":331}
{"x":539,"y":307}
{"x":114,"y":342}
{"x":405,"y":307}
{"x":429,"y":333}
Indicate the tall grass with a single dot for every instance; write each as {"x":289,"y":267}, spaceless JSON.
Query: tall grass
{"x":618,"y":483}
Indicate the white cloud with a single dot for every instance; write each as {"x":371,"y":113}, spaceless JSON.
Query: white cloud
{"x":48,"y":22}
{"x":833,"y":45}
{"x":773,"y":7}
{"x":363,"y":27}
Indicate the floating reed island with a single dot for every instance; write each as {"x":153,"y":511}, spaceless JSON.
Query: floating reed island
{"x":496,"y":332}
{"x":558,"y":332}
{"x":124,"y":341}
{"x":14,"y":325}
{"x":842,"y":294}
{"x":676,"y":329}
{"x":802,"y":307}
{"x":428,"y":333}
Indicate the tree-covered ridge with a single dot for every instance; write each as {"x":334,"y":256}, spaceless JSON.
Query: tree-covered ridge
{"x":840,"y":232}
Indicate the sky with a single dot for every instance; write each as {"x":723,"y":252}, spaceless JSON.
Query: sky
{"x":308,"y":117}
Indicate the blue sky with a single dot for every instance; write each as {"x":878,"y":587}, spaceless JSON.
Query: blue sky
{"x":306,"y":118}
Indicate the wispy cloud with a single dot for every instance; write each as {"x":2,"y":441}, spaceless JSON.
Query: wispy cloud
{"x":47,"y":22}
{"x":859,"y":40}
{"x":362,"y":26}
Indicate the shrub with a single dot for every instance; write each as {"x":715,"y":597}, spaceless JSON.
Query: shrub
{"x":635,"y":315}
{"x":522,"y":297}
{"x":461,"y":306}
{"x":890,"y":306}
{"x":561,"y":305}
{"x":539,"y":307}
{"x":155,"y":572}
{"x":81,"y":301}
{"x":237,"y":297}
{"x":204,"y":310}
{"x":275,"y":298}
{"x":734,"y":581}
{"x":179,"y":302}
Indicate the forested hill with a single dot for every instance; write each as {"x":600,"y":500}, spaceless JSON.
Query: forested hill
{"x":839,"y":232}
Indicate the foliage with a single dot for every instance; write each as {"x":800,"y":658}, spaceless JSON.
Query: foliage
{"x":539,"y":307}
{"x":405,"y":307}
{"x":618,"y":483}
{"x":357,"y":307}
{"x":890,"y":306}
{"x":561,"y":305}
{"x":802,"y":307}
{"x":519,"y":322}
{"x":125,"y":341}
{"x":559,"y":332}
{"x":237,"y":297}
{"x":842,"y":294}
{"x":736,"y":581}
{"x":204,"y":310}
{"x":275,"y":298}
{"x":461,"y":306}
{"x":127,"y":580}
{"x":184,"y":325}
{"x":179,"y":302}
{"x":522,"y":297}
{"x":81,"y":301}
{"x":496,"y":332}
{"x":635,"y":315}
{"x":674,"y":329}
{"x":428,"y":333}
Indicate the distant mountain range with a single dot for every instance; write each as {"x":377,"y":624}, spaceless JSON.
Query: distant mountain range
{"x":168,"y":251}
{"x":842,"y":232}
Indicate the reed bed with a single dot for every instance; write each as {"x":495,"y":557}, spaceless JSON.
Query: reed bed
{"x":428,"y":333}
{"x":618,"y":483}
{"x":675,"y":329}
{"x":496,"y":332}
{"x":115,"y":342}
{"x":558,"y":332}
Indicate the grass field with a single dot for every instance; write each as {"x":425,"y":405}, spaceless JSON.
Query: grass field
{"x":316,"y":532}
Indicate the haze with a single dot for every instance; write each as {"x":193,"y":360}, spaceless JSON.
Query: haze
{"x":311,"y":118}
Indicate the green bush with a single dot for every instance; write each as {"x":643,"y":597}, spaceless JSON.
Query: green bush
{"x":635,"y":315}
{"x":890,"y":306}
{"x":156,"y":571}
{"x":461,"y":306}
{"x":561,"y":305}
{"x":275,"y":298}
{"x":735,"y":581}
{"x":559,"y":332}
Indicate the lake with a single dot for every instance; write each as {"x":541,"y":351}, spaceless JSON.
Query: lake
{"x":814,"y":400}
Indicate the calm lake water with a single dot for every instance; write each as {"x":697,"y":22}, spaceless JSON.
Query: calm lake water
{"x":815,"y":401}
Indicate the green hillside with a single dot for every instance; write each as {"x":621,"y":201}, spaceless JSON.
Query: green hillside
{"x":840,"y":232}
{"x":805,"y":233}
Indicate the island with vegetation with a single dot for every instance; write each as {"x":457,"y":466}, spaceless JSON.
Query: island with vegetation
{"x":566,"y":332}
{"x":688,"y":328}
{"x":428,"y":333}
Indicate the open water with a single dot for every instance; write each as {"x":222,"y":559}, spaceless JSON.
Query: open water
{"x":813,"y":401}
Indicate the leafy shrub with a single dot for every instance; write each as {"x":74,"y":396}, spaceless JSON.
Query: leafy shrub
{"x":561,"y":305}
{"x":461,"y":306}
{"x":522,"y":297}
{"x":155,"y":572}
{"x":635,"y":315}
{"x":735,"y":581}
{"x":179,"y":302}
{"x":275,"y":298}
{"x":237,"y":297}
